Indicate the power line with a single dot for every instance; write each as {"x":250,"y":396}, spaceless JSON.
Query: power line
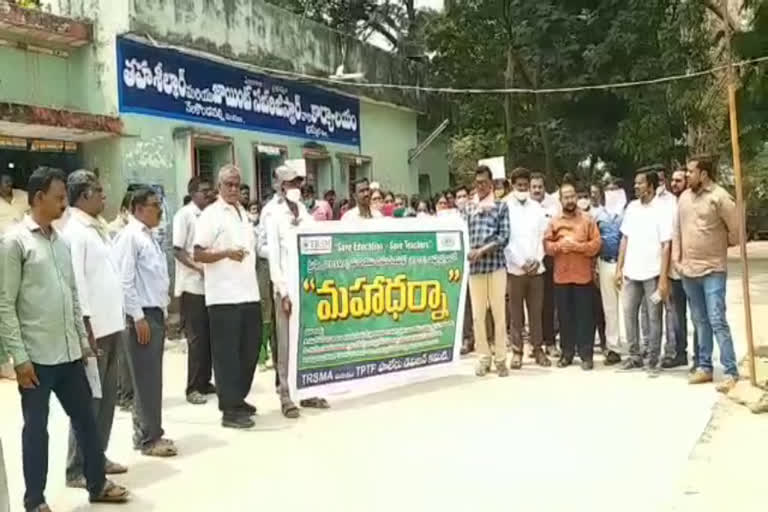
{"x":453,"y":90}
{"x":515,"y":90}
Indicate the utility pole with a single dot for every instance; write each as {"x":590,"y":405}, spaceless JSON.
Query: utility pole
{"x":739,"y":184}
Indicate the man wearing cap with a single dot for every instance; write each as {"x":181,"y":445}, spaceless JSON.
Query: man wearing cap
{"x":288,"y":215}
{"x":225,"y":244}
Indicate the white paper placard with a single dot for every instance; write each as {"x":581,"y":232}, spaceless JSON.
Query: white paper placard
{"x":496,"y":165}
{"x":615,"y":201}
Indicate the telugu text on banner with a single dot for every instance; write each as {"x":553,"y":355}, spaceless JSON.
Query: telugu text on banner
{"x":380,"y":303}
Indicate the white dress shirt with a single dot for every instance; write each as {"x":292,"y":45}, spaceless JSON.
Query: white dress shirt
{"x":354,"y":214}
{"x":187,"y":279}
{"x":265,"y":222}
{"x":143,"y":269}
{"x":223,"y":226}
{"x":527,"y":224}
{"x":282,"y":242}
{"x":96,"y":274}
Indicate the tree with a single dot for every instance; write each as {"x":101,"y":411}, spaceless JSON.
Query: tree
{"x":399,"y":22}
{"x":553,"y":43}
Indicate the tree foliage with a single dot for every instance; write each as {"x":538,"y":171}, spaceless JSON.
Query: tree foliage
{"x":399,"y":22}
{"x":556,"y":43}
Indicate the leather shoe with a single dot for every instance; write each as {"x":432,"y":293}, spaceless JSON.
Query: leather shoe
{"x":238,"y":422}
{"x":250,"y":409}
{"x":612,"y":358}
{"x":674,"y":362}
{"x":587,"y":365}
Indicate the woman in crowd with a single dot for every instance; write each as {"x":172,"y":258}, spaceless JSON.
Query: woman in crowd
{"x":377,"y":200}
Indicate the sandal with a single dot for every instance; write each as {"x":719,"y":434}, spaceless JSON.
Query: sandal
{"x":111,"y":493}
{"x":290,"y":410}
{"x":113,"y":468}
{"x":160,"y":448}
{"x":315,"y":403}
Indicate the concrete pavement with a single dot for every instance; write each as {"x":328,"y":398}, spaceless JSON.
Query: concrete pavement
{"x":541,"y":440}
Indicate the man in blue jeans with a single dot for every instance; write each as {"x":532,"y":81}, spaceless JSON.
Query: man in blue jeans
{"x":643,"y":268}
{"x":707,"y":227}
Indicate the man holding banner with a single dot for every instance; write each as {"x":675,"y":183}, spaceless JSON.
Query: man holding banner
{"x":488,"y":223}
{"x":287,"y":216}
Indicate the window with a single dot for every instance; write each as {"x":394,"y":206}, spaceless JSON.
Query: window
{"x":209,"y":154}
{"x":267,"y":158}
{"x":204,"y":163}
{"x":357,"y":167}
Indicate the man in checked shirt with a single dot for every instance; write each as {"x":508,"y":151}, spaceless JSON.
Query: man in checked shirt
{"x":488,"y":223}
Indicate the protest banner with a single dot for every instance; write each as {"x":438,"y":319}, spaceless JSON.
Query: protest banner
{"x":379,"y":303}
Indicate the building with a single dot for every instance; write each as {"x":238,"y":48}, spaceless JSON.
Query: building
{"x":157,"y":91}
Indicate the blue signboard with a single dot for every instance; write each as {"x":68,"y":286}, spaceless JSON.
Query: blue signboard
{"x":168,"y":83}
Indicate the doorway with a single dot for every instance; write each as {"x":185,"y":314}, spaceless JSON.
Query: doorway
{"x":267,"y":158}
{"x":19,"y":157}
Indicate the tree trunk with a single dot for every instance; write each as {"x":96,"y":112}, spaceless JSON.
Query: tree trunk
{"x":546,"y":143}
{"x":541,"y":123}
{"x":509,"y":80}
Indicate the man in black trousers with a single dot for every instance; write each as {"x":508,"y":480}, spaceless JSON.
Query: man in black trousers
{"x":226,"y":246}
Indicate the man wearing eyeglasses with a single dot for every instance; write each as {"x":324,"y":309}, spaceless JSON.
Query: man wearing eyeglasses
{"x":144,"y":272}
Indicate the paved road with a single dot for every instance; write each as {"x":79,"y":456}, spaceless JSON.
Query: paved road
{"x":541,"y":440}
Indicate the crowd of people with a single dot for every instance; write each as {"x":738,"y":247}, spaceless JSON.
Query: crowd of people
{"x":86,"y":297}
{"x":578,"y":265}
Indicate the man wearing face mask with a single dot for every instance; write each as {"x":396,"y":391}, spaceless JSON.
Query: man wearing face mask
{"x":573,"y":240}
{"x":525,"y":267}
{"x":288,"y":216}
{"x":643,"y":268}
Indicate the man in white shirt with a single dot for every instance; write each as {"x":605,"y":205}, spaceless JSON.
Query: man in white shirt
{"x":13,"y":205}
{"x":551,"y":205}
{"x":363,"y":209}
{"x":524,"y":257}
{"x":262,"y":272}
{"x":643,"y":268}
{"x":289,"y":213}
{"x":226,"y":246}
{"x":191,"y":293}
{"x":101,"y":301}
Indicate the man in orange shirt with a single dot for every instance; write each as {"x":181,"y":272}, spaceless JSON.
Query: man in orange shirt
{"x":573,"y":240}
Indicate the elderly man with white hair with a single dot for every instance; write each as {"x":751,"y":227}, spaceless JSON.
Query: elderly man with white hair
{"x":289,"y":213}
{"x":226,"y":245}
